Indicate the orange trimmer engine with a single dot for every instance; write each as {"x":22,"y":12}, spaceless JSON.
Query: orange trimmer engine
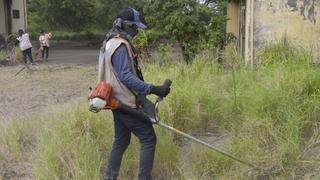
{"x":101,"y":98}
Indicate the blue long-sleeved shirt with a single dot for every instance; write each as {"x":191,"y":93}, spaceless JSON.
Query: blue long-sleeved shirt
{"x":122,"y":65}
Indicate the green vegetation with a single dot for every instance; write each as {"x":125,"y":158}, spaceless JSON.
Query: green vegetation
{"x":194,"y":25}
{"x":63,"y":14}
{"x":8,"y":50}
{"x":268,"y":116}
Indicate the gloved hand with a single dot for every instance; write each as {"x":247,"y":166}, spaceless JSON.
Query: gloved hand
{"x":161,"y":91}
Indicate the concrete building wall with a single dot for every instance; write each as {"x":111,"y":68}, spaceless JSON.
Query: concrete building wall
{"x":2,"y":18}
{"x":233,"y":18}
{"x":18,"y":6}
{"x":296,"y":19}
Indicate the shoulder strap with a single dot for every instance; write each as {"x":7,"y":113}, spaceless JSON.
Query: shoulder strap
{"x":128,"y":45}
{"x":114,"y":43}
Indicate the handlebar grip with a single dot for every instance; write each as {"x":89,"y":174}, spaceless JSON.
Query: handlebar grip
{"x":167,"y":82}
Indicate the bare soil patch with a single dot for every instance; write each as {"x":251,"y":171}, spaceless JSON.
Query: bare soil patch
{"x":37,"y":87}
{"x":67,"y":74}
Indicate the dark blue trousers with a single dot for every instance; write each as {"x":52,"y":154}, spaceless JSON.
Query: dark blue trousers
{"x":126,"y":123}
{"x":27,"y":53}
{"x":45,"y":52}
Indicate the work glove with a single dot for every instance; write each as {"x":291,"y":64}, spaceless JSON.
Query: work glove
{"x":161,"y":91}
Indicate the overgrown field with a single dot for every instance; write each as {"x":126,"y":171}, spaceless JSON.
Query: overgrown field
{"x":269,"y":115}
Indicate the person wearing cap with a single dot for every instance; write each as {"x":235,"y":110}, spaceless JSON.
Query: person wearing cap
{"x":25,"y":46}
{"x":44,"y":40}
{"x":118,"y":65}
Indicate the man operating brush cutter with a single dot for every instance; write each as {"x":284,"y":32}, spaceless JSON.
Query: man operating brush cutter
{"x":122,"y":89}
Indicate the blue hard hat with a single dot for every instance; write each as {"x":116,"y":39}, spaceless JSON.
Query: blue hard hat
{"x":132,"y":15}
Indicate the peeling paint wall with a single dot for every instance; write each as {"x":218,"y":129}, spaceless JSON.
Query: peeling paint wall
{"x":297,"y":19}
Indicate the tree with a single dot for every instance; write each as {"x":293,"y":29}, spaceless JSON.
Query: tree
{"x":71,"y":15}
{"x":76,"y":15}
{"x":189,"y":22}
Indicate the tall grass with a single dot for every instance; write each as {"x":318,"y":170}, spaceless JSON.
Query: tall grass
{"x":14,"y":55}
{"x":268,"y":116}
{"x":275,"y":107}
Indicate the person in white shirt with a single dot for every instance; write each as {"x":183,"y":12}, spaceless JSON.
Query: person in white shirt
{"x":25,"y":45}
{"x":44,"y":40}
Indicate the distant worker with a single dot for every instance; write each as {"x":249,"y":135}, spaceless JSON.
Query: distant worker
{"x":44,"y":40}
{"x":25,"y":46}
{"x":118,"y":65}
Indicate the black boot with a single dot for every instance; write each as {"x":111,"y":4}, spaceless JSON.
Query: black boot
{"x":109,"y":175}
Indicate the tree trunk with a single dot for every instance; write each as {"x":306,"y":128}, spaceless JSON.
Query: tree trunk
{"x":185,"y":53}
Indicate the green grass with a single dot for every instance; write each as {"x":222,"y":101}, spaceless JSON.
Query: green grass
{"x":13,"y":56}
{"x":270,"y":114}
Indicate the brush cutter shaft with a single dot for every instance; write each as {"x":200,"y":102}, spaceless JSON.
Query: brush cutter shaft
{"x":158,"y":122}
{"x":203,"y":143}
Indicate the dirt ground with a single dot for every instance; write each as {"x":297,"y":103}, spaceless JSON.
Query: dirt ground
{"x":74,"y":56}
{"x":66,"y":76}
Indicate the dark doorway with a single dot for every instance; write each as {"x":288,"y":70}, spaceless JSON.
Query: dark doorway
{"x":242,"y":26}
{"x":8,"y":18}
